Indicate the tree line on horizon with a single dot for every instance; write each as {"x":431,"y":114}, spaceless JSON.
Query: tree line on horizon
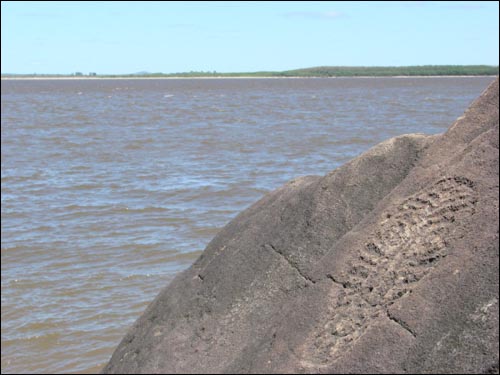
{"x":320,"y":71}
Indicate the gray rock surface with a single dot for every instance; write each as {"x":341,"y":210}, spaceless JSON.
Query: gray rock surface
{"x":388,"y":264}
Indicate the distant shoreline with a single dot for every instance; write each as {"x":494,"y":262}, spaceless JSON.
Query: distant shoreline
{"x":314,"y":72}
{"x":34,"y":78}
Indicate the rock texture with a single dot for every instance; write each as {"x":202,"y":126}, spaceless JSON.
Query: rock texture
{"x":388,"y":264}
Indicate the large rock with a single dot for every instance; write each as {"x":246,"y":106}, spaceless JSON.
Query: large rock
{"x":387,"y":264}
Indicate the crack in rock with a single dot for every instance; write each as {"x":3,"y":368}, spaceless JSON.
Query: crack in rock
{"x":270,"y":247}
{"x":401,"y":323}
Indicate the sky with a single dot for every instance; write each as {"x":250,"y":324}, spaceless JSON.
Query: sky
{"x":46,"y":37}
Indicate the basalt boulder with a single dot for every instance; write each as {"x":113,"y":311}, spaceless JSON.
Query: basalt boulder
{"x":388,"y":264}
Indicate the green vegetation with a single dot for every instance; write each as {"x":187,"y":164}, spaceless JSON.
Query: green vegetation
{"x":321,"y":71}
{"x":384,"y":71}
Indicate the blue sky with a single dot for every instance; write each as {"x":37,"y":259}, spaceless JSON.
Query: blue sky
{"x":128,"y":37}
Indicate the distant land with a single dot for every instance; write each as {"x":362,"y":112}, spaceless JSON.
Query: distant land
{"x":320,"y":71}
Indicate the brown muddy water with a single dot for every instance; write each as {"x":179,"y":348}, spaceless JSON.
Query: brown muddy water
{"x":112,"y":187}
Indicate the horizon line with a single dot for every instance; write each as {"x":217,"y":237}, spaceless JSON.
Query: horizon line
{"x":321,"y":70}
